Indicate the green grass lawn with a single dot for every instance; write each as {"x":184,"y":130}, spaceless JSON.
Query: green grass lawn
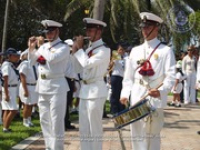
{"x":19,"y":132}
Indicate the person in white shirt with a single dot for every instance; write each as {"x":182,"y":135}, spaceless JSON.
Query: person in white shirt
{"x":53,"y":58}
{"x":150,"y":70}
{"x":9,"y":88}
{"x":27,"y":94}
{"x":93,"y":64}
{"x":117,"y":74}
{"x":178,"y":86}
{"x":189,"y":69}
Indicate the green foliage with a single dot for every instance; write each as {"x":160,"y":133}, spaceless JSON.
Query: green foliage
{"x":196,"y":21}
{"x":122,"y":17}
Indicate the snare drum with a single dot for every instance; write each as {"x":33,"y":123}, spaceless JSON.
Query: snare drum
{"x":132,"y":114}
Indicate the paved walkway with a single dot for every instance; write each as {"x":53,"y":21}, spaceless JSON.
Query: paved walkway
{"x":179,"y":133}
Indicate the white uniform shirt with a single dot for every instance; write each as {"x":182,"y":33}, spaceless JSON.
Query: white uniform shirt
{"x":70,"y":73}
{"x":93,"y":69}
{"x":119,"y":66}
{"x":179,"y":86}
{"x":198,"y":70}
{"x":27,"y":70}
{"x":179,"y":76}
{"x":56,"y":64}
{"x":188,"y":64}
{"x":7,"y":70}
{"x":163,"y":64}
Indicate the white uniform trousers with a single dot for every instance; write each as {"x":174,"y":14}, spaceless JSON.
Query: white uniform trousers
{"x":189,"y":88}
{"x":145,"y":133}
{"x":52,"y":112}
{"x":90,"y":122}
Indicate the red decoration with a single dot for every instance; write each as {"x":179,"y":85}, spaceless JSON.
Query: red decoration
{"x":41,"y":60}
{"x":146,"y":69}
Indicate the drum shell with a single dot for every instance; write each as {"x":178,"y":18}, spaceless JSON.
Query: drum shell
{"x":132,"y":114}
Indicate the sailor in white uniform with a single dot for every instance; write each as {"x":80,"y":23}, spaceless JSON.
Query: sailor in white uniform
{"x":27,"y":93}
{"x":149,"y":66}
{"x":93,"y":64}
{"x":52,"y":86}
{"x":9,"y":88}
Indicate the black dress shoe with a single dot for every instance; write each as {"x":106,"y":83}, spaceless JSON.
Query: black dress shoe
{"x":7,"y":130}
{"x":105,"y":116}
{"x":198,"y":132}
{"x":71,"y":127}
{"x":35,"y":114}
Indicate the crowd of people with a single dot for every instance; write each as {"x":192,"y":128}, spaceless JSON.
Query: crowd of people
{"x":52,"y":73}
{"x":186,"y":87}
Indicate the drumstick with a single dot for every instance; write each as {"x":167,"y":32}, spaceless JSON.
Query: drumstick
{"x":148,"y":94}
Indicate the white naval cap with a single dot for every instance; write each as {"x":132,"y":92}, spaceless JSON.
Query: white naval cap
{"x":149,"y":19}
{"x":92,"y":23}
{"x":150,"y":16}
{"x":69,"y":42}
{"x":50,"y":25}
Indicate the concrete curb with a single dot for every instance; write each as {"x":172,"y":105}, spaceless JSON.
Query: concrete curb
{"x":25,"y":143}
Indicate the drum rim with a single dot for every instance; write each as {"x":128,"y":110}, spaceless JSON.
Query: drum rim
{"x":121,"y":126}
{"x":132,"y":107}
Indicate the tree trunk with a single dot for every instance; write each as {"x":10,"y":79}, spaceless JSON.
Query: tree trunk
{"x":5,"y":26}
{"x":98,"y":10}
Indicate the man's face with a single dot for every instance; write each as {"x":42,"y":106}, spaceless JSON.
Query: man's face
{"x":150,"y":32}
{"x":52,"y":35}
{"x":93,"y":33}
{"x":14,"y":58}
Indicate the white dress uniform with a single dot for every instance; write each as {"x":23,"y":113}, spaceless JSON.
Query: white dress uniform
{"x":13,"y":79}
{"x":93,"y":93}
{"x":188,"y":67}
{"x":163,"y":64}
{"x":179,"y":86}
{"x":31,"y":80}
{"x":52,"y":87}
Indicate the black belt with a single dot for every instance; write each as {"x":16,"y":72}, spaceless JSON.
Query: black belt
{"x":12,"y":85}
{"x":31,"y":84}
